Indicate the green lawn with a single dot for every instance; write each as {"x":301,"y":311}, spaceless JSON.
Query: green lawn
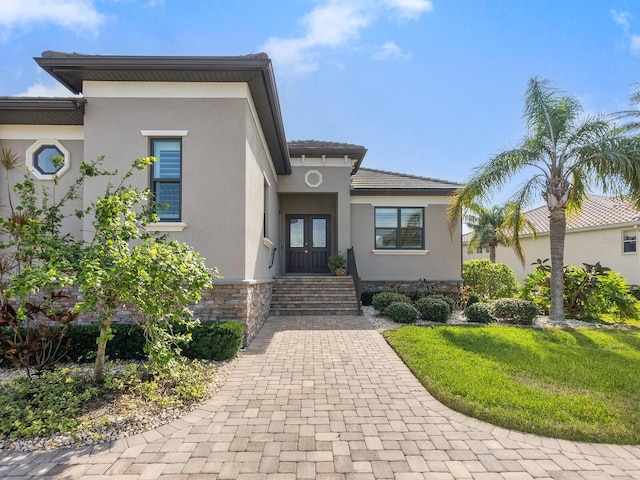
{"x":581,"y":384}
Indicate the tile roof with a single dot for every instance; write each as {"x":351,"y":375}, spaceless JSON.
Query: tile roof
{"x":368,"y":179}
{"x":597,"y":211}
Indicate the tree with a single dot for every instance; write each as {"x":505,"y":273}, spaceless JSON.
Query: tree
{"x":495,"y":226}
{"x":563,"y":155}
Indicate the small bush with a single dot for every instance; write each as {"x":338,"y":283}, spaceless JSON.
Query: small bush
{"x":511,"y":310}
{"x":215,"y":341}
{"x":479,"y":313}
{"x":402,"y":312}
{"x":433,"y":309}
{"x":489,"y":280}
{"x":449,"y":300}
{"x":634,"y":291}
{"x":367,"y":297}
{"x":473,"y":298}
{"x":382,"y":300}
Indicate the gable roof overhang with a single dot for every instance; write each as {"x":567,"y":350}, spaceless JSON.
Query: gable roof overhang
{"x":317,"y":148}
{"x":41,"y":111}
{"x":72,"y":69}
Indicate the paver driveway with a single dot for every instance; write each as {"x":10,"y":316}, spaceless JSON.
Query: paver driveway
{"x":326,"y":398}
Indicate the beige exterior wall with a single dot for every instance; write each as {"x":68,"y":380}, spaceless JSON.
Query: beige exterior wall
{"x":440,"y":261}
{"x":586,"y":246}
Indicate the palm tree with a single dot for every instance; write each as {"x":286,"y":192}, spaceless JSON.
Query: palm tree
{"x":634,"y":115}
{"x":565,"y":154}
{"x":495,"y":226}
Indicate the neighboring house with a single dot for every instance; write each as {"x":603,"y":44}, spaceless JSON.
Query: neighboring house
{"x":254,"y":205}
{"x":604,"y":231}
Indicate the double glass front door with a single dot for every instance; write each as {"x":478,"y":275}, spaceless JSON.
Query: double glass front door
{"x":308,"y":243}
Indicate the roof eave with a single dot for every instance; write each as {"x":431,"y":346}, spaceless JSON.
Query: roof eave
{"x":426,"y":192}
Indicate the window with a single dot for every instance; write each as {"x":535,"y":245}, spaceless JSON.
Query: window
{"x":629,"y":241}
{"x":166,"y":177}
{"x":478,"y":249}
{"x":399,"y":228}
{"x":40,"y":159}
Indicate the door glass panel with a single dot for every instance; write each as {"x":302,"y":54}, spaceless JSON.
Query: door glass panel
{"x":319,"y":232}
{"x":296,"y":233}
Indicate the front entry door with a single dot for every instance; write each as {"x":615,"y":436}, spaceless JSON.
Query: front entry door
{"x":308,"y":243}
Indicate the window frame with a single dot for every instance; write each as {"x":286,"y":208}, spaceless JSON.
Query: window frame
{"x":156,"y":180}
{"x":32,"y":151}
{"x":398,"y":228}
{"x":634,"y":242}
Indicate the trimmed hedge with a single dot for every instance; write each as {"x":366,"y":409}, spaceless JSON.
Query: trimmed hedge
{"x":433,"y":309}
{"x":479,"y":313}
{"x":382,"y":300}
{"x":209,"y":341}
{"x":367,"y":297}
{"x":402,"y":312}
{"x":512,"y":310}
{"x":215,"y":341}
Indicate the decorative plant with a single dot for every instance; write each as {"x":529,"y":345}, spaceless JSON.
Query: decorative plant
{"x":336,"y":261}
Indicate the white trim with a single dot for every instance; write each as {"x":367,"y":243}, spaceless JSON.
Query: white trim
{"x":35,"y":132}
{"x":308,"y":182}
{"x":164,"y":133}
{"x":399,"y":252}
{"x":29,"y":159}
{"x":305,"y":161}
{"x":398,"y":200}
{"x":164,"y":89}
{"x":166,"y":227}
{"x":267,"y":243}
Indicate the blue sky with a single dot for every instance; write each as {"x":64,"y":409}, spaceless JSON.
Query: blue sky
{"x":432,"y":88}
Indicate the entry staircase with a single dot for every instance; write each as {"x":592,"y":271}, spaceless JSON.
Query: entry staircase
{"x":314,"y":295}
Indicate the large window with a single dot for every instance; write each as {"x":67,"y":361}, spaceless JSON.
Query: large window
{"x":629,"y":241}
{"x":399,"y":228}
{"x":166,"y":177}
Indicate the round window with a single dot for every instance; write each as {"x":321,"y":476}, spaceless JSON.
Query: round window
{"x":48,"y":159}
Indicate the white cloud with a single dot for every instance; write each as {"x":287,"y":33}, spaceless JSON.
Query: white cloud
{"x":390,"y":50}
{"x":76,"y":15}
{"x":623,"y":19}
{"x":334,"y":24}
{"x":410,"y":8}
{"x":42,"y":90}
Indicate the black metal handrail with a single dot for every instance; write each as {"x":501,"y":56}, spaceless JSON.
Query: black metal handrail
{"x":352,"y":270}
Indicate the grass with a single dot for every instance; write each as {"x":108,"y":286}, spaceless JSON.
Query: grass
{"x":581,"y":384}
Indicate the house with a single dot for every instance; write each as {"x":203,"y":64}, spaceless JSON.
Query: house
{"x":604,"y":230}
{"x":255,"y":205}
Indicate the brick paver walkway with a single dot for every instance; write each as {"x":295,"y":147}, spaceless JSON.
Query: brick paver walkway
{"x":326,"y":398}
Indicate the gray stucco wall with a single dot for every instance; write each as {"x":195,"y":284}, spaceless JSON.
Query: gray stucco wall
{"x":71,"y":224}
{"x":441,"y":263}
{"x":336,"y":181}
{"x":213,"y":165}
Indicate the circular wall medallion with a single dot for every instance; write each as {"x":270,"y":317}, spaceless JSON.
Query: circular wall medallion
{"x":313,"y":178}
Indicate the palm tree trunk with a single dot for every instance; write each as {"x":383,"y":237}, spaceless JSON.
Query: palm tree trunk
{"x":557,"y":229}
{"x":492,"y":253}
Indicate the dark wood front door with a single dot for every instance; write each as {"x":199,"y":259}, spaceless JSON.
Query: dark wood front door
{"x":308,"y":243}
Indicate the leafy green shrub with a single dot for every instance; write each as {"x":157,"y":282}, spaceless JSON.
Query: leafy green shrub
{"x":215,"y":341}
{"x":367,"y":297}
{"x":402,"y":312}
{"x":634,"y":290}
{"x":473,"y":298}
{"x":382,"y":300}
{"x":433,"y":309}
{"x":589,"y":293}
{"x":512,"y":310}
{"x":43,"y":405}
{"x":489,"y":280}
{"x":448,"y":299}
{"x":479,"y":313}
